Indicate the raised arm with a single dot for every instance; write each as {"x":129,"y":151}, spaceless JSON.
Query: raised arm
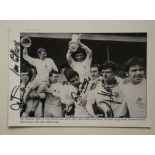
{"x":25,"y":53}
{"x":54,"y":67}
{"x":27,"y":57}
{"x":69,"y":56}
{"x":87,"y":50}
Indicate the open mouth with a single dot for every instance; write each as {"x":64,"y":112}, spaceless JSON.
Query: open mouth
{"x":138,"y":78}
{"x":80,"y":60}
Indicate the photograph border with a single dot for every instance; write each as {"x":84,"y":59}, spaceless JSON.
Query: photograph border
{"x":115,"y":122}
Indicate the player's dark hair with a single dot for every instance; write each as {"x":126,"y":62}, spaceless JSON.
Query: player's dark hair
{"x":79,"y":50}
{"x":53,"y":72}
{"x":69,"y":74}
{"x":133,"y":62}
{"x":24,"y":69}
{"x":96,"y":65}
{"x":109,"y":64}
{"x":41,"y":50}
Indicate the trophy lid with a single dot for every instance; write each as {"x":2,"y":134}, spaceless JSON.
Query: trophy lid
{"x":75,"y":38}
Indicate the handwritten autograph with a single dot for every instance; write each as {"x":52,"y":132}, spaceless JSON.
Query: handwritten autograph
{"x":15,"y":52}
{"x":15,"y":57}
{"x":109,"y":94}
{"x":82,"y":89}
{"x":18,"y":102}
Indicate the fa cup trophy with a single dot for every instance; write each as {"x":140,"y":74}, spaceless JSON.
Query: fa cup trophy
{"x":74,"y":43}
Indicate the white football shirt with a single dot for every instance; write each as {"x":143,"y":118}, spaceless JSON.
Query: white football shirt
{"x":80,"y":103}
{"x":112,"y":95}
{"x":82,"y":68}
{"x":43,"y":66}
{"x":136,"y":99}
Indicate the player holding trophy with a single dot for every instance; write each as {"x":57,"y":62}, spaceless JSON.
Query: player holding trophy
{"x":43,"y":66}
{"x":79,"y":57}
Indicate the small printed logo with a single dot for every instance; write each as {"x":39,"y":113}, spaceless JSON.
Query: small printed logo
{"x":139,"y":101}
{"x":116,"y":94}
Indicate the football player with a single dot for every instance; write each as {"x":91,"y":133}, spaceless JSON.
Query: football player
{"x":135,"y":89}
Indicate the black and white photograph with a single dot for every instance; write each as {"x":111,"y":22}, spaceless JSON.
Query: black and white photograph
{"x":98,"y":79}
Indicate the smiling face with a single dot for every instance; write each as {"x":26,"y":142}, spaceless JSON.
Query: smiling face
{"x":79,"y":57}
{"x":136,"y":74}
{"x":54,"y":78}
{"x":75,"y":81}
{"x":43,"y":55}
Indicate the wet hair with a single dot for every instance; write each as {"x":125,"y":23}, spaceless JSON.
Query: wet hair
{"x":109,"y":64}
{"x":133,"y":62}
{"x":53,"y":72}
{"x":96,"y":65}
{"x":41,"y":50}
{"x":79,"y":50}
{"x":69,"y":74}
